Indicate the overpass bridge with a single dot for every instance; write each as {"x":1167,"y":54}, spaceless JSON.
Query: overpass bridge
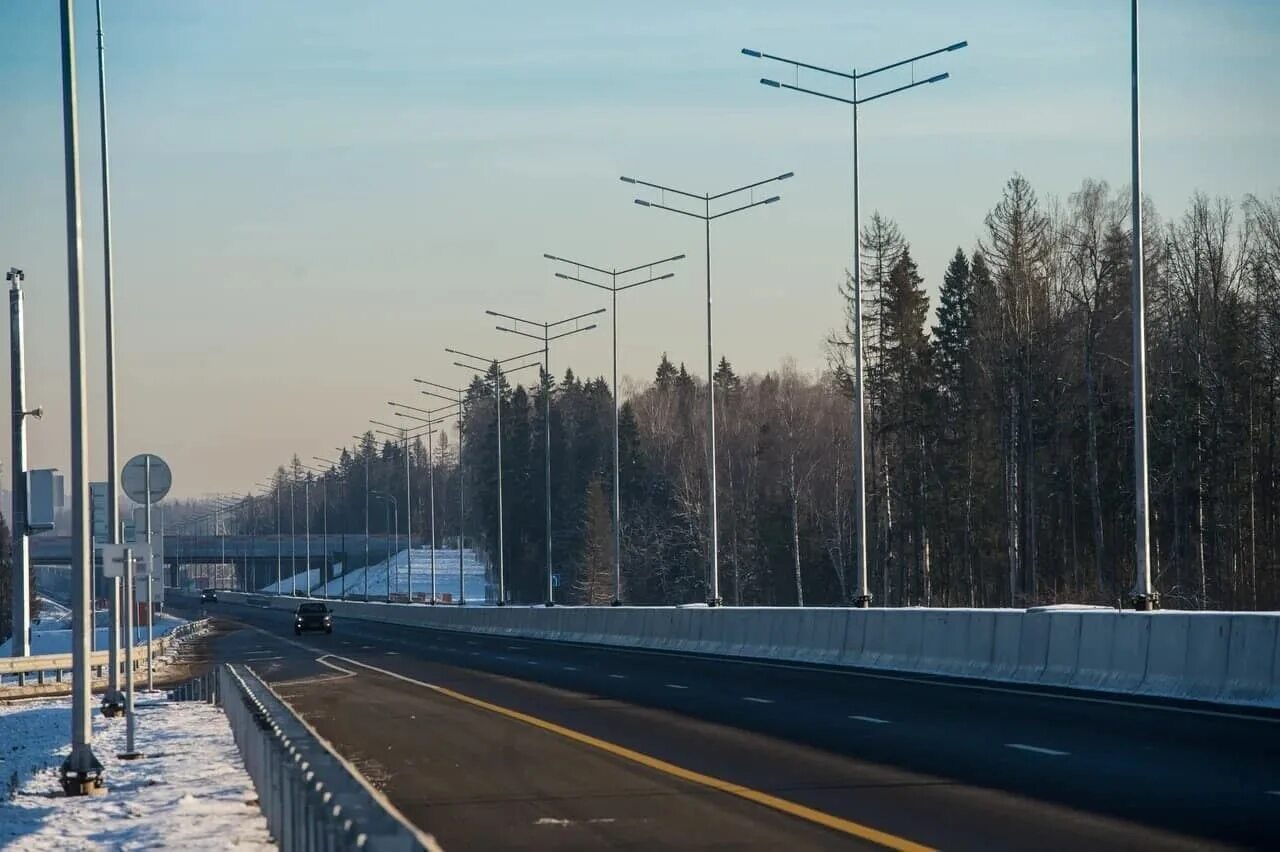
{"x":253,"y":556}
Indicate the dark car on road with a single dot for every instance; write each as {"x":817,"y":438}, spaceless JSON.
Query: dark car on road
{"x":312,"y":616}
{"x":208,"y":596}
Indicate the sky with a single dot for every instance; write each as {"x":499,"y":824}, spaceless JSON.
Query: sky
{"x":311,"y":200}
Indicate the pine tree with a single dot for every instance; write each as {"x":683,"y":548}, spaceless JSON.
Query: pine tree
{"x":594,"y":585}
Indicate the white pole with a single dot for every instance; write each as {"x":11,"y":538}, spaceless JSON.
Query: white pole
{"x":1144,"y":595}
{"x":862,"y":590}
{"x":113,"y":473}
{"x":81,"y":768}
{"x":150,"y":595}
{"x":431,"y":488}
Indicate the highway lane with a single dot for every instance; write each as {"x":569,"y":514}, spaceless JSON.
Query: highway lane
{"x":937,"y":764}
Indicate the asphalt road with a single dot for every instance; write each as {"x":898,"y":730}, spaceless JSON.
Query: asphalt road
{"x":492,"y":742}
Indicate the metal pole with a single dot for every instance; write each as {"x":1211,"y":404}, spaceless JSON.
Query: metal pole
{"x":546,"y":361}
{"x":81,"y":764}
{"x":431,"y":489}
{"x":408,"y":526}
{"x":714,"y":598}
{"x":146,"y":520}
{"x":21,"y":580}
{"x":862,"y":586}
{"x":502,"y":567}
{"x":617,"y":475}
{"x":130,"y":610}
{"x":293,"y":541}
{"x":462,"y":507}
{"x":113,"y":472}
{"x":324,"y":579}
{"x":306,"y":499}
{"x":279,"y":543}
{"x":1144,"y":595}
{"x":366,"y":525}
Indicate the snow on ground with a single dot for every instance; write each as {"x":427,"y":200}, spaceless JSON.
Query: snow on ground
{"x":394,"y":572}
{"x":192,"y":792}
{"x":302,"y":581}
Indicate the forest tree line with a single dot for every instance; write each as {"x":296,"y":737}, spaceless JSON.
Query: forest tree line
{"x":1000,"y":465}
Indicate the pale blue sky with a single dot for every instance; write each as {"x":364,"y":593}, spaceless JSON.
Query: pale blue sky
{"x":312,"y":199}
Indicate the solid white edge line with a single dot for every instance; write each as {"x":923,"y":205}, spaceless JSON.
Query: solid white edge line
{"x":1052,"y":752}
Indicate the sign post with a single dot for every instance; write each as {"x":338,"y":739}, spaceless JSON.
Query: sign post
{"x":113,"y":698}
{"x":146,"y":479}
{"x":117,"y":562}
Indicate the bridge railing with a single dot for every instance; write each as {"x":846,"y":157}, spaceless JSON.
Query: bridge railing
{"x":58,"y":666}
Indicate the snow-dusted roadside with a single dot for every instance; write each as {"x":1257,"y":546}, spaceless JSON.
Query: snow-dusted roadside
{"x":190,"y":792}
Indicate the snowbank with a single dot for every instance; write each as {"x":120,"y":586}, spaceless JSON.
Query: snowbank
{"x":191,"y":793}
{"x":394,"y":573}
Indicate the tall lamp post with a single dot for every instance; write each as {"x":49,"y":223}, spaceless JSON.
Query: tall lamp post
{"x":368,"y":454}
{"x":462,"y":502}
{"x":328,"y":554}
{"x":499,"y":370}
{"x":431,"y":470}
{"x":614,"y":289}
{"x":862,"y":591}
{"x":707,"y":217}
{"x":401,"y":437}
{"x":546,"y":337}
{"x":112,"y":700}
{"x":393,"y":508}
{"x":81,"y":772}
{"x":274,"y":486}
{"x":1145,"y":596}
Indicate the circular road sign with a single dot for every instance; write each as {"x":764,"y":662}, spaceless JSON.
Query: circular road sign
{"x":133,"y":479}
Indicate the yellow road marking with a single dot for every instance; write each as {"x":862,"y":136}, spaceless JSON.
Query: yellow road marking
{"x":808,"y":814}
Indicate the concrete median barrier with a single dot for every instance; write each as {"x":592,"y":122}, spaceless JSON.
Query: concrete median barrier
{"x":1217,"y":657}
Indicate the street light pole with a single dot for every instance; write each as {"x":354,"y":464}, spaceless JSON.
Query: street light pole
{"x":462,"y":591}
{"x":614,"y":289}
{"x":862,"y":591}
{"x":112,"y":699}
{"x":328,"y":554}
{"x":713,"y":598}
{"x":81,"y":773}
{"x":1144,"y":593}
{"x":496,"y":365}
{"x":546,"y":339}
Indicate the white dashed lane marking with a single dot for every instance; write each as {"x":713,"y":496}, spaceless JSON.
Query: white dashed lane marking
{"x":871,"y":719}
{"x":755,"y":700}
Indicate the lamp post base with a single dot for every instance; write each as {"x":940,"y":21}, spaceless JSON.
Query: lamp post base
{"x":81,"y":773}
{"x":715,"y":602}
{"x":1146,"y":603}
{"x":862,"y":601}
{"x":112,"y":703}
{"x":615,"y":602}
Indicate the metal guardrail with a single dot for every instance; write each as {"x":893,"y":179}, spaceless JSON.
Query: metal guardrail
{"x":311,"y":797}
{"x":61,"y":664}
{"x":203,"y":688}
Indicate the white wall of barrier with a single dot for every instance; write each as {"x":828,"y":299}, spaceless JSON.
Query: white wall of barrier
{"x":1221,"y":657}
